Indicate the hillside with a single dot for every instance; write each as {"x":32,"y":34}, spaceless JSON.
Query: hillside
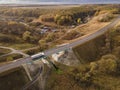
{"x":13,"y":80}
{"x":101,"y":73}
{"x":37,"y":27}
{"x":96,"y":63}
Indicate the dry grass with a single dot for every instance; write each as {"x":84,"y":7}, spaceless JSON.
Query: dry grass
{"x":4,"y":51}
{"x":92,"y":26}
{"x":117,"y":24}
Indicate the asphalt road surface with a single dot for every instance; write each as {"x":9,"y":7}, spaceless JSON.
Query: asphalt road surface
{"x":49,"y":52}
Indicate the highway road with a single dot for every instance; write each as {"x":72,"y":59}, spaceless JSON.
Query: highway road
{"x":61,"y":48}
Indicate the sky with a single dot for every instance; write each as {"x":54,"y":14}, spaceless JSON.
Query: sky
{"x":57,"y":1}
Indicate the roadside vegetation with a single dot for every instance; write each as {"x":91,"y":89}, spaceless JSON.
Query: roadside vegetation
{"x":102,"y":74}
{"x":10,"y":57}
{"x":4,"y":51}
{"x":106,"y":18}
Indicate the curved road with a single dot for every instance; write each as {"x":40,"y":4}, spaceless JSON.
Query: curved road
{"x":34,"y":80}
{"x":13,"y":51}
{"x":49,"y":52}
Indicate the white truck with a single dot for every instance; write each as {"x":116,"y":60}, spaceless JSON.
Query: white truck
{"x":38,"y":56}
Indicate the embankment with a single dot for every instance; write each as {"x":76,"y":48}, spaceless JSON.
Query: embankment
{"x":90,"y":50}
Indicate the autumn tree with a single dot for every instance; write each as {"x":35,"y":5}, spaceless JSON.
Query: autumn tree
{"x":10,"y":58}
{"x":79,"y":21}
{"x":63,"y":19}
{"x":26,"y":36}
{"x":50,"y":37}
{"x":107,"y":64}
{"x":42,"y":44}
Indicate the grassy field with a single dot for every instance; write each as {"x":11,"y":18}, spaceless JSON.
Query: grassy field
{"x":4,"y":51}
{"x":13,"y":80}
{"x":57,"y":76}
{"x":16,"y":42}
{"x":22,"y":46}
{"x":10,"y":57}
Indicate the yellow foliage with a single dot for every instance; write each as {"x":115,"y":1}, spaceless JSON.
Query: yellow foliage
{"x":12,"y":23}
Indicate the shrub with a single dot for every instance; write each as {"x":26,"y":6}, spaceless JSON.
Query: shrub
{"x":107,"y":64}
{"x":26,"y":35}
{"x":50,"y":37}
{"x":79,"y":21}
{"x":63,"y":19}
{"x":106,"y":18}
{"x":116,"y":51}
{"x":47,"y":18}
{"x":81,"y":76}
{"x":35,"y":24}
{"x":42,"y":45}
{"x":33,"y":51}
{"x":7,"y":39}
{"x":72,"y":35}
{"x":115,"y":11}
{"x":9,"y":58}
